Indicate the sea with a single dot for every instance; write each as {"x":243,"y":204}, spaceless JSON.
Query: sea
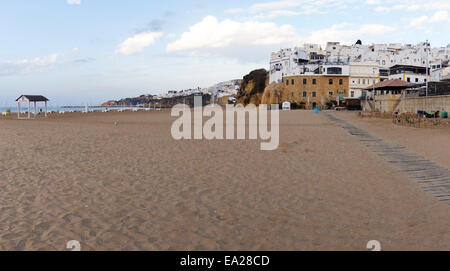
{"x":24,"y":109}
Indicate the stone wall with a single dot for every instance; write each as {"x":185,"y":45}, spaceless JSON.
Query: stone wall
{"x":389,"y":103}
{"x":382,"y":103}
{"x":429,"y":104}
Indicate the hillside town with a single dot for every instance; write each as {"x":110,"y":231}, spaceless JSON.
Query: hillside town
{"x":364,"y":65}
{"x":221,"y":93}
{"x":314,"y":76}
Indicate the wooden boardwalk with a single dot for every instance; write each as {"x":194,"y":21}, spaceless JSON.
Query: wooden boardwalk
{"x":433,"y":178}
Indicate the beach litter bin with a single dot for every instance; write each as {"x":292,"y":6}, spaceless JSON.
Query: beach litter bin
{"x":444,"y":115}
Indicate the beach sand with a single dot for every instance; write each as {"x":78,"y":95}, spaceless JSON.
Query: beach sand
{"x":133,"y":187}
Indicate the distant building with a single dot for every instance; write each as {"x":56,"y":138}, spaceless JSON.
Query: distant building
{"x":408,"y":73}
{"x":285,"y":62}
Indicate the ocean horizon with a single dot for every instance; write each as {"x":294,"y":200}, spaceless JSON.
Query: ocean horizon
{"x":66,"y":108}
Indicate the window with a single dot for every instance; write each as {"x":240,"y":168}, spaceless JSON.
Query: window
{"x":292,"y":94}
{"x":424,"y":80}
{"x":287,"y":82}
{"x":330,"y":94}
{"x":417,"y":80}
{"x":364,"y":81}
{"x":304,"y":93}
{"x":341,"y":81}
{"x":314,"y":81}
{"x":292,"y":82}
{"x":408,"y":79}
{"x":330,"y":82}
{"x":352,"y":94}
{"x":334,"y":70}
{"x":305,"y":81}
{"x":314,"y":94}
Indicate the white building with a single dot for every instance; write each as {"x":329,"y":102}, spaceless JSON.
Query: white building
{"x":362,"y":75}
{"x":285,"y":62}
{"x":441,"y":74}
{"x":409,"y":73}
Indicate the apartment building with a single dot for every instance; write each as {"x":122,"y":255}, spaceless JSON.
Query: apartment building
{"x":362,"y":75}
{"x":315,"y":90}
{"x":408,"y":73}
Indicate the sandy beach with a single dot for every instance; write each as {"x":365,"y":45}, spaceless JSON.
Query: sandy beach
{"x":133,"y":187}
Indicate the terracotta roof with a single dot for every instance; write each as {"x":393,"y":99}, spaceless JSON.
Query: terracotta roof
{"x":390,"y":84}
{"x":34,"y":98}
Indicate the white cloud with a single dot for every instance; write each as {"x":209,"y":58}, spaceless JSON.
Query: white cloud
{"x":348,"y":33}
{"x":275,"y":5}
{"x":43,"y":63}
{"x":211,"y":33}
{"x":26,"y":66}
{"x":254,"y":40}
{"x":74,"y":2}
{"x":278,"y":13}
{"x":439,"y":16}
{"x":419,"y":21}
{"x":138,"y":43}
{"x":413,"y":5}
{"x":297,"y":7}
{"x":234,"y":10}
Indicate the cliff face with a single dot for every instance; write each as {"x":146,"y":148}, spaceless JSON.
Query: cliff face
{"x":252,"y":87}
{"x":274,"y":93}
{"x":143,"y":99}
{"x":148,"y":100}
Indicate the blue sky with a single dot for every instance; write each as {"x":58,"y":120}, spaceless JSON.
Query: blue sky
{"x":90,"y":51}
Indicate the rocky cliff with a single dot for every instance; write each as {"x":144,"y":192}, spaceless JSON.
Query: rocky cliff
{"x":150,"y":101}
{"x":252,"y":87}
{"x":274,"y":93}
{"x":255,"y":89}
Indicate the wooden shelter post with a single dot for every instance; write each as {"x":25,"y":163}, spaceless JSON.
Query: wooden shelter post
{"x":45,"y":108}
{"x":29,"y":109}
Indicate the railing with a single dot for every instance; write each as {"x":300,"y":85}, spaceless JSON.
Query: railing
{"x":419,"y":121}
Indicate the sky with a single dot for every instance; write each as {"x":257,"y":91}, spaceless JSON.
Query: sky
{"x":79,"y":52}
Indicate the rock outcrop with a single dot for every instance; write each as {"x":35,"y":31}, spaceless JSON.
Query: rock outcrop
{"x":274,"y":93}
{"x":151,"y":101}
{"x":252,"y":87}
{"x":143,"y":99}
